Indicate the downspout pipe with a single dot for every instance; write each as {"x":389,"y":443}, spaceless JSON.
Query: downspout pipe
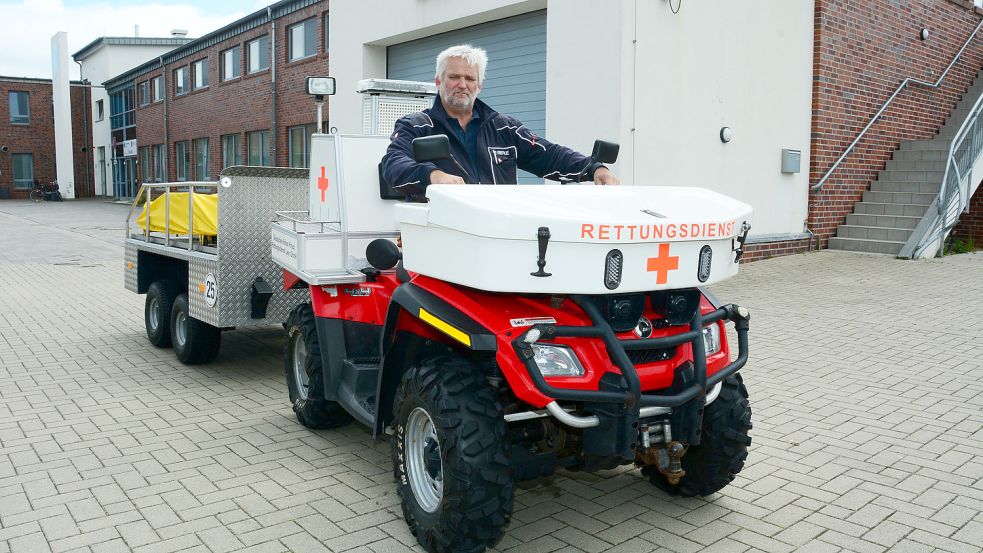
{"x":167,"y":144}
{"x":90,"y":155}
{"x":273,"y":61}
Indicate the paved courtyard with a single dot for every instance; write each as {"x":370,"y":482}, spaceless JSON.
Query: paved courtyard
{"x":866,"y":382}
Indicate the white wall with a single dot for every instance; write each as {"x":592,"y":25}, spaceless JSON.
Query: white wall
{"x":664,"y":98}
{"x":105,"y":63}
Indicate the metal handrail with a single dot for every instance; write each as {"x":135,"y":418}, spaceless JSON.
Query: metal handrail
{"x":819,"y":185}
{"x":960,"y":161}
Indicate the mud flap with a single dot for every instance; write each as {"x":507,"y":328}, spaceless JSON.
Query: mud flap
{"x":612,"y":442}
{"x":686,"y":420}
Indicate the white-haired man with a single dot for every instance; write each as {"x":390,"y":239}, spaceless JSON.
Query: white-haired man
{"x":489,"y":145}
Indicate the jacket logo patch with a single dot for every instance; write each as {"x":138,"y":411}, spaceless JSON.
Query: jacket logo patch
{"x":502,"y":155}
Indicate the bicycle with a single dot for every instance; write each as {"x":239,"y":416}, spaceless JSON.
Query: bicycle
{"x":47,"y":192}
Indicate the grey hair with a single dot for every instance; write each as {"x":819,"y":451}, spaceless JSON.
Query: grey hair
{"x":476,"y":57}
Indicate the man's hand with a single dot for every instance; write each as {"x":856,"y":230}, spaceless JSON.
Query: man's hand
{"x":439,"y":177}
{"x":603,"y":176}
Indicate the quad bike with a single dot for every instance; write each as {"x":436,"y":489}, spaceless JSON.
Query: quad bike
{"x":519,"y":330}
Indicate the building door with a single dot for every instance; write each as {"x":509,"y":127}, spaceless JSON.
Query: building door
{"x":515,"y":82}
{"x":125,"y":177}
{"x":101,"y":170}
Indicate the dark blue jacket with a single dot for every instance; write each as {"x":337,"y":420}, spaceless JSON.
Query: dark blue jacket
{"x":504,"y":143}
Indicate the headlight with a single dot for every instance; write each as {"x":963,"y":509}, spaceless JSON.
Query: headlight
{"x":711,"y":339}
{"x":556,"y":361}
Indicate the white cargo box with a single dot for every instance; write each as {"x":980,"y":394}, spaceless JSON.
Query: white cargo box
{"x":326,"y":244}
{"x":486,"y":237}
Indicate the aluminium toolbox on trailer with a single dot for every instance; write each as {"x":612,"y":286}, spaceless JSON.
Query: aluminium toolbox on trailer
{"x":230,"y":279}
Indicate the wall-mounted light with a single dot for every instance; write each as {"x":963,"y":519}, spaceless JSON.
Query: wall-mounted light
{"x":923,"y":34}
{"x":726,"y":134}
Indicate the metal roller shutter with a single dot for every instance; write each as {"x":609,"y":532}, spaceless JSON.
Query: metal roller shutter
{"x":515,"y":81}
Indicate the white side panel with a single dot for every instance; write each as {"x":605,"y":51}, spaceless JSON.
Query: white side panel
{"x":325,"y":203}
{"x":365,"y":210}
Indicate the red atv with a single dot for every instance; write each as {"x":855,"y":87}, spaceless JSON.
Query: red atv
{"x":523,"y":329}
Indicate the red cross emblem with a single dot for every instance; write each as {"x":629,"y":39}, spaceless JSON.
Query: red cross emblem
{"x":322,"y":183}
{"x":662,"y":264}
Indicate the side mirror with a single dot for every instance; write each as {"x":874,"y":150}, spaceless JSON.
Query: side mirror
{"x":431,"y":148}
{"x":382,"y":254}
{"x":605,"y":152}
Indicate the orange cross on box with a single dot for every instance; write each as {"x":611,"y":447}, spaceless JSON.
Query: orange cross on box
{"x":322,"y":183}
{"x":662,"y":264}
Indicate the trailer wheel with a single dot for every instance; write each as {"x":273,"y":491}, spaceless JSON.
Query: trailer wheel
{"x":195,"y":342}
{"x":450,"y":451}
{"x":714,"y":463}
{"x":305,"y":373}
{"x":157,"y":312}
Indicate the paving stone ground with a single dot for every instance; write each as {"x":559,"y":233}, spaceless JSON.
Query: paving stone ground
{"x":866,"y":382}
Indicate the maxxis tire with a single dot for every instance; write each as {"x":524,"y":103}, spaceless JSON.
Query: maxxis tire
{"x":714,"y":463}
{"x":160,"y":298}
{"x":313,"y":411}
{"x":475,"y":503}
{"x":198,"y":342}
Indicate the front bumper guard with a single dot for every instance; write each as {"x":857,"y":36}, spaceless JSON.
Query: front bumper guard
{"x":646,"y":405}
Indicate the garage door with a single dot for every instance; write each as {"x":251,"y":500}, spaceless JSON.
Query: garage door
{"x":515,"y":81}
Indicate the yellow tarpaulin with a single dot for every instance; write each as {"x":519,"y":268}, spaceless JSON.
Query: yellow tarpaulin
{"x":205,"y":214}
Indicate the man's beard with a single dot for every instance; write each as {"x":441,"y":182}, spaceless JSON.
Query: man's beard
{"x":456,"y":101}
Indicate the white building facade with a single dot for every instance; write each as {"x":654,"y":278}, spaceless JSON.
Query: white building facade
{"x":663,"y":79}
{"x":101,"y":60}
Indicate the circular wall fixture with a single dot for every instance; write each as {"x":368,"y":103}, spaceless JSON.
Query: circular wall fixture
{"x":923,"y":34}
{"x":726,"y":134}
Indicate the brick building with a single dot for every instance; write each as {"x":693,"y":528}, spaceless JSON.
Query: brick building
{"x":27,"y":136}
{"x":863,"y":52}
{"x":232,"y":97}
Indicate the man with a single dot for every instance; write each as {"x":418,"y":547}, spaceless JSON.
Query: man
{"x":489,"y":145}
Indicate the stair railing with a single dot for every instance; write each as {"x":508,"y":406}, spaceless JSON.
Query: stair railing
{"x":819,"y":185}
{"x":953,"y":197}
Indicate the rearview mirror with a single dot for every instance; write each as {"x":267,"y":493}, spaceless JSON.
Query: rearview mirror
{"x":605,"y":152}
{"x":431,"y":148}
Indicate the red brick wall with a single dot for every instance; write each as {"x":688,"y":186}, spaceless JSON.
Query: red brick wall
{"x":241,"y":105}
{"x":863,"y":50}
{"x":757,"y":252}
{"x":38,"y":137}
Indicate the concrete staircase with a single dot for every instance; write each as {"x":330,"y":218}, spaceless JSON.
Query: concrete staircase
{"x":904,"y":190}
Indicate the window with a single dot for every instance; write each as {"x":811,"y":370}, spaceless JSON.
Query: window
{"x":182,"y":160}
{"x":201,"y":159}
{"x":20,"y":108}
{"x":23,"y":171}
{"x":259,"y":148}
{"x":160,"y":163}
{"x":100,"y":110}
{"x":201,"y":73}
{"x":325,"y":33}
{"x":300,"y":145}
{"x":143,"y":93}
{"x":158,"y":86}
{"x":231,"y":63}
{"x":303,"y":39}
{"x":181,"y":80}
{"x":259,"y":54}
{"x":146,"y":165}
{"x":231,"y":154}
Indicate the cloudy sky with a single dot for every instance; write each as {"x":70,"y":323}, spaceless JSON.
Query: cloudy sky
{"x":25,"y":42}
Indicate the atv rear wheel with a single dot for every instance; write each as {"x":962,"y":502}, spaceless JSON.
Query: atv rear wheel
{"x":305,"y":373}
{"x":451,"y":457}
{"x":723,"y":447}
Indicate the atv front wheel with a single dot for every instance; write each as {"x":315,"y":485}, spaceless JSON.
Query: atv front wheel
{"x":305,"y":373}
{"x":723,"y":447}
{"x":451,"y":457}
